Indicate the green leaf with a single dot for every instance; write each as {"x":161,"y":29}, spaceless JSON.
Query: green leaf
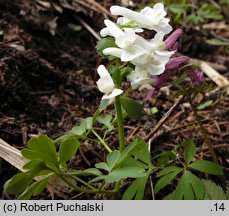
{"x":136,"y":189}
{"x":41,"y":147}
{"x":68,"y":149}
{"x":102,"y":165}
{"x":74,"y":27}
{"x":189,"y":150}
{"x":170,"y":196}
{"x":18,"y":183}
{"x":207,"y":167}
{"x":142,"y":153}
{"x":105,"y":119}
{"x":85,"y":124}
{"x":130,"y":148}
{"x":129,"y":161}
{"x":227,"y":191}
{"x":93,"y":171}
{"x":205,"y":105}
{"x":165,"y":157}
{"x":34,"y":189}
{"x":80,"y":129}
{"x":65,"y":137}
{"x":168,"y":174}
{"x":116,"y":75}
{"x":34,"y":164}
{"x":133,"y":108}
{"x":168,"y":170}
{"x":123,"y":173}
{"x":103,"y":105}
{"x":189,"y":187}
{"x":112,"y":159}
{"x":105,"y":43}
{"x":213,"y":191}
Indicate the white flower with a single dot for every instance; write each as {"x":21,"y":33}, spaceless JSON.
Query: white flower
{"x":125,"y":40}
{"x":139,"y":77}
{"x":148,"y":18}
{"x":155,"y":58}
{"x":106,"y":84}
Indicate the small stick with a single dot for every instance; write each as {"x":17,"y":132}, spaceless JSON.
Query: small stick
{"x":163,"y":119}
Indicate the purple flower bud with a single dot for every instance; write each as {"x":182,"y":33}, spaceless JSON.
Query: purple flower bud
{"x":151,"y":94}
{"x":161,"y":80}
{"x":196,"y":75}
{"x":172,"y":40}
{"x":176,"y":62}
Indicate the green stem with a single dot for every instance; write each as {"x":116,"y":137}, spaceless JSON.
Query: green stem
{"x":120,"y":124}
{"x":204,"y":132}
{"x":102,"y":141}
{"x":83,"y":190}
{"x":83,"y":182}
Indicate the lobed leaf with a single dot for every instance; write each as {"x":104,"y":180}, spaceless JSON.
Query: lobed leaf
{"x":189,"y":187}
{"x":207,"y":167}
{"x":68,"y":149}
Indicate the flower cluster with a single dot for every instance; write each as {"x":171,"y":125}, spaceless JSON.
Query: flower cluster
{"x":150,"y":58}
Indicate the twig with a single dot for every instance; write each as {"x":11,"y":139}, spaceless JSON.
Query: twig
{"x":163,"y":119}
{"x":150,"y":178}
{"x":216,"y":77}
{"x":88,"y":27}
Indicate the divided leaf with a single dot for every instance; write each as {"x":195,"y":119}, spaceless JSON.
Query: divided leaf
{"x":41,"y":147}
{"x":34,"y":189}
{"x":167,"y":175}
{"x":136,"y":189}
{"x":207,"y":167}
{"x":189,"y":187}
{"x":112,"y":159}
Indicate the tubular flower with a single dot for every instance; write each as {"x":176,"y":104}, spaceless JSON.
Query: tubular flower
{"x":138,"y":77}
{"x":106,"y":84}
{"x":148,"y":18}
{"x":125,"y":40}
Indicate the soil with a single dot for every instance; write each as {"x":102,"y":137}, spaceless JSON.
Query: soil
{"x":48,"y":83}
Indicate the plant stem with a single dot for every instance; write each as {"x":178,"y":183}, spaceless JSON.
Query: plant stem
{"x":102,"y":141}
{"x":204,"y":132}
{"x":120,"y":124}
{"x":83,"y":190}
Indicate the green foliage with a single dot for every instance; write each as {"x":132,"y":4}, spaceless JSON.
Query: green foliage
{"x":68,"y":149}
{"x":131,"y":163}
{"x":44,"y":161}
{"x":213,"y":191}
{"x":106,"y":121}
{"x":166,"y":176}
{"x":136,"y":189}
{"x":105,"y":43}
{"x":165,"y":157}
{"x":207,"y":167}
{"x":74,"y":27}
{"x":205,"y":105}
{"x":189,"y":150}
{"x":183,"y":11}
{"x":206,"y":11}
{"x":133,"y":108}
{"x":85,"y":125}
{"x":189,"y":187}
